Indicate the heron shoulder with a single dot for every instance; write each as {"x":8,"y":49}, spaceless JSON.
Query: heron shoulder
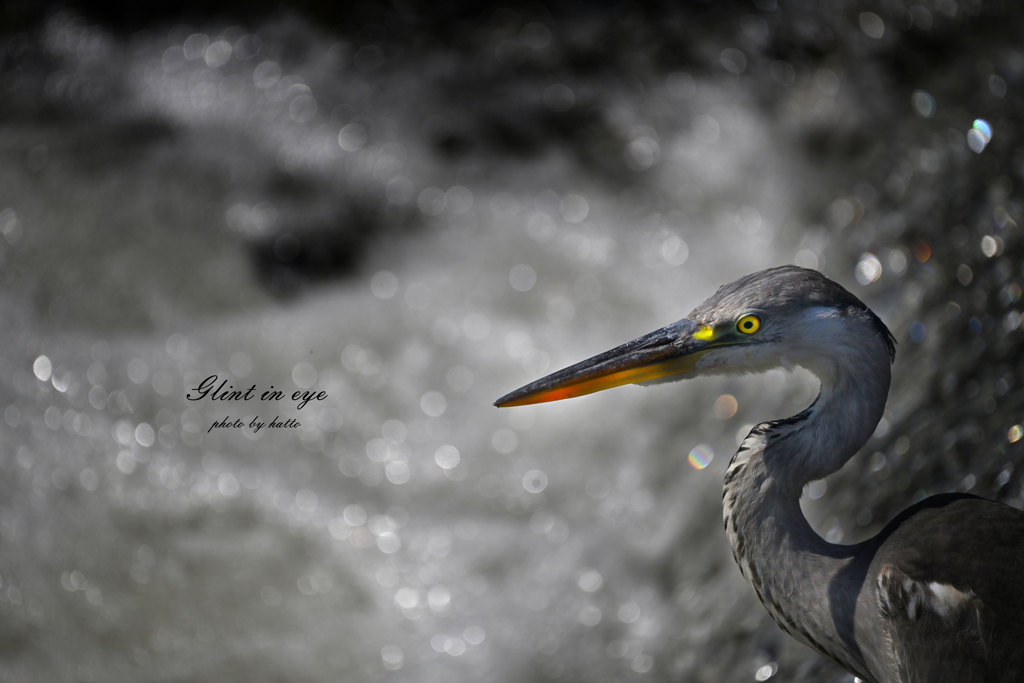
{"x":946,"y":601}
{"x":956,"y":539}
{"x":903,"y":598}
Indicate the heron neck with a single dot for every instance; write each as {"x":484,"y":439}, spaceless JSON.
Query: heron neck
{"x":818,"y":441}
{"x":801,"y":578}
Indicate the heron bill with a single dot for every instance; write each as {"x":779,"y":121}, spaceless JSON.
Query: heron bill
{"x":672,"y":350}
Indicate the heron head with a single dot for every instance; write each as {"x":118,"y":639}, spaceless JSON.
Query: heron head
{"x":783,"y":316}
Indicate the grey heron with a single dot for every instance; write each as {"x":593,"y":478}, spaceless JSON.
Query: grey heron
{"x":938,"y":594}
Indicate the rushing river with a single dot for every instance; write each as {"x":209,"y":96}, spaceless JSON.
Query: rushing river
{"x":403,"y":218}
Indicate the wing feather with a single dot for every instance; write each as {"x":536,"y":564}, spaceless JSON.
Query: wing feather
{"x":949,"y":592}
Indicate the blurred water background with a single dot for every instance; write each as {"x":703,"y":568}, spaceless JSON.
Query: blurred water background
{"x":415,"y":208}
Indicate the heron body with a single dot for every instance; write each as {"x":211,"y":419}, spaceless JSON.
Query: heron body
{"x":938,"y":595}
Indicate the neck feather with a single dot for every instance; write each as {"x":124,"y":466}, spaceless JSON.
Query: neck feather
{"x":852,"y":362}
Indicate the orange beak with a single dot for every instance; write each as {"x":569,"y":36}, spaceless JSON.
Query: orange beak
{"x":672,"y":350}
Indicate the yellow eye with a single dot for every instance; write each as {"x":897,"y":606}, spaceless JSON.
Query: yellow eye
{"x":748,"y":324}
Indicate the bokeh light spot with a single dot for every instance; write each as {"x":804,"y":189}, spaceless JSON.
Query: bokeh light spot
{"x":872,"y":25}
{"x":447,"y":457}
{"x":979,"y":136}
{"x":392,"y":656}
{"x":522,"y":278}
{"x":922,"y":251}
{"x":42,"y":368}
{"x":384,"y":285}
{"x":535,"y":481}
{"x":725,"y":406}
{"x":574,"y":208}
{"x":869,"y":269}
{"x":304,"y":374}
{"x":733,"y":60}
{"x":924,"y":104}
{"x":701,"y":456}
{"x":352,"y":137}
{"x":590,"y":580}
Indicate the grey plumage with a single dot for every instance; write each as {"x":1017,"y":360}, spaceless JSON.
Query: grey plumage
{"x":788,"y":289}
{"x":937,"y":596}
